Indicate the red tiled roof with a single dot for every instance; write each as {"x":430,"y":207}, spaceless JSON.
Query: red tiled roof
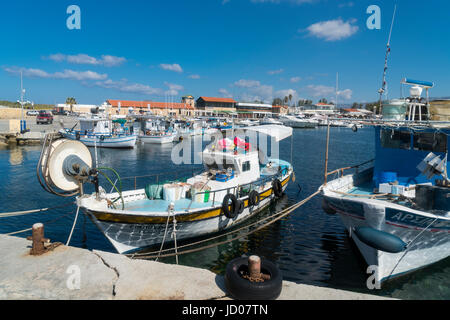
{"x":352,"y":110}
{"x":212,"y":99}
{"x":280,"y":107}
{"x":144,"y":104}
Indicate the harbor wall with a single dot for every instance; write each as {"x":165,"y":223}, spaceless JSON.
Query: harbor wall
{"x":68,"y":273}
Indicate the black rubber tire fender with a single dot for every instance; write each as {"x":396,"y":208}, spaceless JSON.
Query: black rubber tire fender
{"x":253,"y":198}
{"x":230,"y":214}
{"x":77,"y":136}
{"x":241,"y":206}
{"x":277,"y":188}
{"x":242,"y":289}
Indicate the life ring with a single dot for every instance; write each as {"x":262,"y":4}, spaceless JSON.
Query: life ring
{"x":243,"y":289}
{"x":253,"y":198}
{"x":234,"y":211}
{"x":277,"y":188}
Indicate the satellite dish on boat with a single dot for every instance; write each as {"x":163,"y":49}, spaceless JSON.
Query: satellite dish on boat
{"x":55,"y":161}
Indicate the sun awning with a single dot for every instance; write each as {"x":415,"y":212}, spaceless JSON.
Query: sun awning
{"x":275,"y":131}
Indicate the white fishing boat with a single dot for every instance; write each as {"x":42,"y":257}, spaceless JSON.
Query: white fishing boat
{"x":102,"y":132}
{"x":233,"y":188}
{"x":156,"y":131}
{"x":398,"y":211}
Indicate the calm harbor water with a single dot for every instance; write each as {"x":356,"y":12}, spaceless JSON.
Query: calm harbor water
{"x":309,"y":246}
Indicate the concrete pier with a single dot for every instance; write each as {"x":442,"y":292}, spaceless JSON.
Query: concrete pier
{"x":68,"y":273}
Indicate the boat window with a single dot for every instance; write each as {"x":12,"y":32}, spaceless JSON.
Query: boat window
{"x":430,"y":141}
{"x":246,"y":166}
{"x":395,"y":139}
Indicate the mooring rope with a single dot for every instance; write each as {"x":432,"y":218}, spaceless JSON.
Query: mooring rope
{"x":21,"y":213}
{"x":73,"y":226}
{"x":279,"y":215}
{"x":29,"y":229}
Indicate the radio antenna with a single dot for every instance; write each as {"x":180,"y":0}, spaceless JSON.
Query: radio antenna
{"x":388,"y":50}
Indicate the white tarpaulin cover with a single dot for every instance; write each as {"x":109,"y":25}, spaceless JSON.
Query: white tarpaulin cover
{"x":276,"y":131}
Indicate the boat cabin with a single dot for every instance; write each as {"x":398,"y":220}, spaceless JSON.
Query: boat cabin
{"x":401,"y":150}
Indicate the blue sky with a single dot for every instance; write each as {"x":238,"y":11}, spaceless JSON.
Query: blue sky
{"x":245,"y":49}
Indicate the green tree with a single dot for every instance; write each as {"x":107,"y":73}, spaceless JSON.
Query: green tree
{"x":277,"y":102}
{"x":71,"y":102}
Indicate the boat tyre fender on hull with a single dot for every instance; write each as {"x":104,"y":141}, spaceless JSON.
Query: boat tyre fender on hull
{"x":231,"y":210}
{"x":243,"y":289}
{"x":253,"y":198}
{"x":277,"y":188}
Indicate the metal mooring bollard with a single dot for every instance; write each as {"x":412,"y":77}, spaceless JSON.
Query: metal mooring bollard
{"x":254,"y":267}
{"x":38,"y":239}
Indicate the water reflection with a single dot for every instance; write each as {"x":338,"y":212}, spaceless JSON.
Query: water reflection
{"x":16,"y":156}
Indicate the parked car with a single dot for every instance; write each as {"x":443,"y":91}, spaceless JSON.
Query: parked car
{"x":44,"y":117}
{"x":60,"y":112}
{"x":32,"y":113}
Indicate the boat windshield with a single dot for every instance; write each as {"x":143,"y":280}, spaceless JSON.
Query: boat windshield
{"x":404,"y":139}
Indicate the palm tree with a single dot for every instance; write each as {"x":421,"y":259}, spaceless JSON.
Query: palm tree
{"x":286,"y":99}
{"x":290,"y":99}
{"x":71,"y":102}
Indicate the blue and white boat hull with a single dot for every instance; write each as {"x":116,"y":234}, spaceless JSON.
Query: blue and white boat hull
{"x":426,"y":234}
{"x":103,"y":141}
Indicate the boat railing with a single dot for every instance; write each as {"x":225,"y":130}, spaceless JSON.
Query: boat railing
{"x":340,"y":172}
{"x":177,"y":177}
{"x":239,"y":190}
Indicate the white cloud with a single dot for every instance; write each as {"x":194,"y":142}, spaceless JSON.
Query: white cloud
{"x":225,"y":93}
{"x":194,"y":76}
{"x":295,"y":79}
{"x":272,"y":72}
{"x":171,"y":67}
{"x":346,"y":4}
{"x":329,"y":92}
{"x":297,"y":2}
{"x":173,"y":88}
{"x":124,"y":86}
{"x":247,"y":83}
{"x":105,"y":60}
{"x":333,"y":30}
{"x":345,"y":94}
{"x":66,"y":74}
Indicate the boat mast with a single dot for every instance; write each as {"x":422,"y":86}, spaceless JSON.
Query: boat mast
{"x":388,"y":50}
{"x":337,"y":88}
